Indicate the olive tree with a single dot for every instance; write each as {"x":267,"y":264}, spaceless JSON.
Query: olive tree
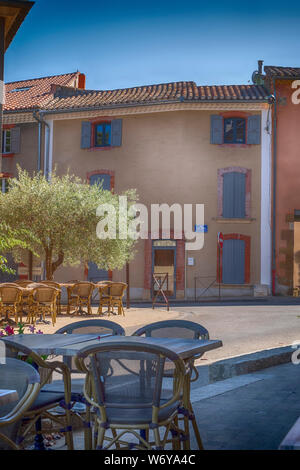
{"x":58,"y":219}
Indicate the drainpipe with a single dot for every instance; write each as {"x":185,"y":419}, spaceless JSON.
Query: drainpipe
{"x":274,"y":191}
{"x":41,"y":122}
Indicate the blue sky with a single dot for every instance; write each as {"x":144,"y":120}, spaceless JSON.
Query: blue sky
{"x":121,"y":44}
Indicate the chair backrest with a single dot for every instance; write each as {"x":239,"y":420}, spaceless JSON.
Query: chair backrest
{"x":128,"y":378}
{"x":10,"y":293}
{"x":23,"y":282}
{"x":173,"y":329}
{"x":102,"y":327}
{"x":83,"y":289}
{"x":117,"y":289}
{"x":45,"y":293}
{"x":22,"y":377}
{"x":92,"y":326}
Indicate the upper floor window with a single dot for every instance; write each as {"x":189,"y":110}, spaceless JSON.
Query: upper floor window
{"x":103,"y":134}
{"x":234,"y":130}
{"x":11,"y":140}
{"x":234,"y":193}
{"x":6,"y":141}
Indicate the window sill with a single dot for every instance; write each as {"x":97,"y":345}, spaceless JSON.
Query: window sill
{"x":222,"y":220}
{"x":235,"y":145}
{"x":7,"y":155}
{"x":93,"y":149}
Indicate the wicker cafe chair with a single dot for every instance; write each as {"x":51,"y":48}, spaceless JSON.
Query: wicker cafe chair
{"x":101,"y":327}
{"x":178,"y":329}
{"x":79,"y":295}
{"x":10,"y":302}
{"x":22,"y":377}
{"x":111,"y":295}
{"x":45,"y":403}
{"x":44,"y":300}
{"x":124,"y":382}
{"x":58,"y":298}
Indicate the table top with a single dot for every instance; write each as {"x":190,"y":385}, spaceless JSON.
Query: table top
{"x":8,"y":396}
{"x":69,"y":345}
{"x":50,"y":344}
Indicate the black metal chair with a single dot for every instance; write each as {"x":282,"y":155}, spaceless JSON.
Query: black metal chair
{"x":79,"y":405}
{"x":45,"y":402}
{"x":179,"y":329}
{"x":25,"y":380}
{"x":125,"y":383}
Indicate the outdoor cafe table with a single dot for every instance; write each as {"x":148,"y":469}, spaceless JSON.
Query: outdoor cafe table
{"x":70,"y":345}
{"x":7,"y":396}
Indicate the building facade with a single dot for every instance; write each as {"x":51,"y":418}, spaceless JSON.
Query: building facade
{"x":173,"y":143}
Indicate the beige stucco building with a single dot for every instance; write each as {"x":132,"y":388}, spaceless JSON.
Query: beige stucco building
{"x":174,"y":143}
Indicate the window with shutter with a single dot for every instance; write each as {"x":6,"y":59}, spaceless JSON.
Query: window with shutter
{"x":234,"y":195}
{"x":102,"y":134}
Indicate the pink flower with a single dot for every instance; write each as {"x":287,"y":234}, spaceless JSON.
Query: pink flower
{"x":9,"y":330}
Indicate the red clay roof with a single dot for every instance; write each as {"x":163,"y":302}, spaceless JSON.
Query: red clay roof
{"x":35,"y":93}
{"x":284,"y":72}
{"x":165,"y":92}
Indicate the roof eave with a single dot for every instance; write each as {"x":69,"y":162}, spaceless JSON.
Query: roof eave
{"x":130,"y":105}
{"x":24,"y":8}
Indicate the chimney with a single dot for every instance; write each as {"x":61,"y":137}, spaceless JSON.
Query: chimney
{"x":260,"y":65}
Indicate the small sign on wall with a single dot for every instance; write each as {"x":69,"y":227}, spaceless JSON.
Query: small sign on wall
{"x":201,"y":228}
{"x":191,"y":261}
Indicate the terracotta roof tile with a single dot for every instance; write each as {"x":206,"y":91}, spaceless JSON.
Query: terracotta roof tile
{"x":164,"y":92}
{"x":28,"y":94}
{"x":284,"y":72}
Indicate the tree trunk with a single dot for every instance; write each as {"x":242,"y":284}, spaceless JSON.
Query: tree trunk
{"x":48,"y":262}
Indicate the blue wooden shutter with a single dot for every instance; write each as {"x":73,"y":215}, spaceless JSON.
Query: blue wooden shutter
{"x":216,"y":129}
{"x":106,"y":181}
{"x":86,"y":134}
{"x":15,"y":138}
{"x":233,"y":262}
{"x":116,"y":132}
{"x":234,"y":195}
{"x":254,"y":129}
{"x":94,"y":273}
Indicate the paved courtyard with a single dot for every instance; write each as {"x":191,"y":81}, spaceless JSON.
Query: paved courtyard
{"x":243,"y":328}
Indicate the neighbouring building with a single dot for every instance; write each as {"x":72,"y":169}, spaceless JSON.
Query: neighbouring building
{"x":284,"y":84}
{"x":12,"y":15}
{"x":175,"y":143}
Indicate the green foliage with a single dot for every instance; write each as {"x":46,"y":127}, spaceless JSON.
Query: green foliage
{"x":10,"y":240}
{"x":58,"y":219}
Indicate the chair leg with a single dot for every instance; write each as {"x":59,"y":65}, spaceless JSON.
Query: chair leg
{"x":157,"y":439}
{"x":100,"y":439}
